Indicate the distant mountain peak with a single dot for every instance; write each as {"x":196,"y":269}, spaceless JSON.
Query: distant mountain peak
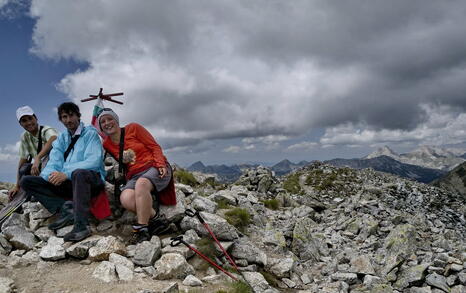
{"x":382,"y":151}
{"x":197,"y":166}
{"x":285,"y":161}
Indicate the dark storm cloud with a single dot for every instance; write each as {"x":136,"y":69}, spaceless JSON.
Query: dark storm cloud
{"x":228,"y":69}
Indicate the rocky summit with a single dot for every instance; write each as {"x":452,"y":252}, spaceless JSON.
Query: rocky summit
{"x":319,"y":229}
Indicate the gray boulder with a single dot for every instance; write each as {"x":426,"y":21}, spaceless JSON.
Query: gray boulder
{"x":7,"y":285}
{"x":306,"y":244}
{"x":204,"y":204}
{"x":172,"y":266}
{"x":147,"y":252}
{"x":54,"y":249}
{"x":221,"y":228}
{"x":244,"y":249}
{"x":81,"y":249}
{"x":192,"y":281}
{"x":280,"y":267}
{"x":19,"y":237}
{"x":258,"y":283}
{"x":104,"y":247}
{"x":411,"y":275}
{"x":438,"y":281}
{"x":105,"y":271}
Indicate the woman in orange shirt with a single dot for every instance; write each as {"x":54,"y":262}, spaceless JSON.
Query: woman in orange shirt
{"x":147,"y":171}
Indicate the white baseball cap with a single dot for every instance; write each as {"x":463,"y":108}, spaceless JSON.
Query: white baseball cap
{"x":25,"y":110}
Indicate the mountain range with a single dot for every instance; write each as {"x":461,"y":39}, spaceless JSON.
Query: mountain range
{"x":423,"y":164}
{"x":387,"y":164}
{"x":425,"y":156}
{"x":233,"y":172}
{"x":454,"y":181}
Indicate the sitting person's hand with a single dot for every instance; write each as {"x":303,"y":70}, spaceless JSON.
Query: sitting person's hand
{"x":13,"y":192}
{"x":35,"y":167}
{"x":57,"y":178}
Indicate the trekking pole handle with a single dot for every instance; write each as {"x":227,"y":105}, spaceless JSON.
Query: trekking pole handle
{"x":176,"y":241}
{"x":194,"y":214}
{"x":190,"y":213}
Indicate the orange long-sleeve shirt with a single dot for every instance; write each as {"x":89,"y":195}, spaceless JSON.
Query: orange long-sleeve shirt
{"x":148,"y":152}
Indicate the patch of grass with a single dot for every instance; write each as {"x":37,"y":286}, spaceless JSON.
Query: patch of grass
{"x":272,"y":204}
{"x":238,"y":217}
{"x":240,"y":287}
{"x":271,"y":279}
{"x":206,"y":246}
{"x":320,"y":180}
{"x":222,"y":204}
{"x":212,"y":182}
{"x":291,"y":184}
{"x":185,"y":177}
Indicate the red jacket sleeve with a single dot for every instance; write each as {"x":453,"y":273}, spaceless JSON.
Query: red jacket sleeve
{"x":148,"y":140}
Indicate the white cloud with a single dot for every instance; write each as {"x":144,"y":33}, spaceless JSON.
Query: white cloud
{"x":442,"y":127}
{"x":232,"y":149}
{"x":3,"y":3}
{"x":305,"y":145}
{"x":9,"y":152}
{"x":269,"y":139}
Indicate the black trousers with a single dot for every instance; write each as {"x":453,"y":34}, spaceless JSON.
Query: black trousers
{"x":84,"y":185}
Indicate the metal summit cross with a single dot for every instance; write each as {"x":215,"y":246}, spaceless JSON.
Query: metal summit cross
{"x":103,"y":96}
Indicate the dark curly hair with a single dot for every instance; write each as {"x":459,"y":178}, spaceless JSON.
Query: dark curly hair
{"x":68,"y":108}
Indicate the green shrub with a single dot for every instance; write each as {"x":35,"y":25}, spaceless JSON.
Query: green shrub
{"x":222,"y":204}
{"x":240,"y":218}
{"x":272,"y":204}
{"x":185,"y":177}
{"x":291,"y":184}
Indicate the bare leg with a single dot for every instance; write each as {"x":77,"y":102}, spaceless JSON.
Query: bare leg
{"x":143,"y":200}
{"x":127,"y":199}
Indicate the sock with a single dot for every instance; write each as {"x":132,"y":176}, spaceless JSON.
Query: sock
{"x":140,"y":227}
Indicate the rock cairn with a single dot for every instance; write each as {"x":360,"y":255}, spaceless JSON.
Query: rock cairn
{"x":320,"y":229}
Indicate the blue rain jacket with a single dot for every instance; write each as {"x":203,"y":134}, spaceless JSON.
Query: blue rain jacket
{"x":86,"y":154}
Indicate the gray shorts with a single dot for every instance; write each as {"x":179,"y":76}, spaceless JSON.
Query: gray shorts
{"x":153,"y":175}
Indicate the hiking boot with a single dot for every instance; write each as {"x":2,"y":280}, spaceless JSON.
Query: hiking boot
{"x":63,"y":221}
{"x":158,"y":225}
{"x":140,"y":234}
{"x":80,"y":231}
{"x":66,"y":217}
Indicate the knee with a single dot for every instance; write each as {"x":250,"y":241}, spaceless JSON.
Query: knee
{"x":79,"y":174}
{"x":27,"y":181}
{"x":127,"y":201}
{"x":143,"y":185}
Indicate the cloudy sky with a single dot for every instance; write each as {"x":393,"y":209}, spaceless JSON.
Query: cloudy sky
{"x":243,"y":81}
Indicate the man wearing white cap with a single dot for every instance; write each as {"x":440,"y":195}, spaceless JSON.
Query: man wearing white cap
{"x":35,"y":145}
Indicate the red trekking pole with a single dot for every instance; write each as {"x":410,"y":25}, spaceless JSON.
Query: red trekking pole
{"x":192,"y":214}
{"x":179,"y":239}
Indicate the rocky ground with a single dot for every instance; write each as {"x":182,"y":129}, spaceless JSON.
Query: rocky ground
{"x":321,"y":229}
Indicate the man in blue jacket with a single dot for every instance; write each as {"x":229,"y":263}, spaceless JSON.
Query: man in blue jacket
{"x":75,"y":168}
